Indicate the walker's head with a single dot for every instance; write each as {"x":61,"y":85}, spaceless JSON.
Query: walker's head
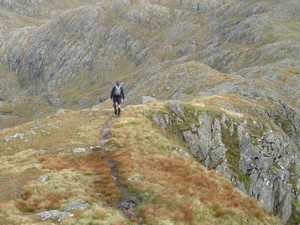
{"x":117,"y":83}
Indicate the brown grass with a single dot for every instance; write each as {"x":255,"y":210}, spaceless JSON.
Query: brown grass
{"x":93,"y":164}
{"x":48,"y":201}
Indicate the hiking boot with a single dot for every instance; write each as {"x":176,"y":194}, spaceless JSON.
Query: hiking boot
{"x":115,"y":108}
{"x":119,"y":111}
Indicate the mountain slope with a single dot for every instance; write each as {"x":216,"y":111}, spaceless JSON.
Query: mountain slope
{"x":173,"y":188}
{"x":124,"y":39}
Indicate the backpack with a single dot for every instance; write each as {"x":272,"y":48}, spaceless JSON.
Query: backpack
{"x":118,"y":90}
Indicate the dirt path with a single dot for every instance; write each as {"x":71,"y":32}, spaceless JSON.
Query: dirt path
{"x":106,"y":134}
{"x":130,"y":201}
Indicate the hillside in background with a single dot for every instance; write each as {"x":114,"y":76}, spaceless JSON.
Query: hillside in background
{"x":226,"y":77}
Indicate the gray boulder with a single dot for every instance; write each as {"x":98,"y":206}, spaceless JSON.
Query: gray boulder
{"x":54,"y":214}
{"x":146,"y":99}
{"x":43,"y":178}
{"x":77,"y":205}
{"x":163,"y":120}
{"x":177,"y":109}
{"x":79,"y":150}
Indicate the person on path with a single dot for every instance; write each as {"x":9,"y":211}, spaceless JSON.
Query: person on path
{"x":117,"y":93}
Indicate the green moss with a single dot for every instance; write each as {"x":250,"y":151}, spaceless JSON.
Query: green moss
{"x":254,"y":130}
{"x":295,"y":217}
{"x":233,"y":156}
{"x":294,"y":150}
{"x":293,"y":179}
{"x":286,"y":125}
{"x":273,"y":169}
{"x":189,"y":91}
{"x":293,"y":168}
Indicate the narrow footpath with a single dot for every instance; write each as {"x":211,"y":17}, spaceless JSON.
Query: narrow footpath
{"x":129,"y":201}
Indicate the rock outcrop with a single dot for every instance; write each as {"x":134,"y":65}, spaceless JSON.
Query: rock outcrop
{"x":259,"y":161}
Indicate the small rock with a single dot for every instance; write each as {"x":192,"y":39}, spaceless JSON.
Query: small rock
{"x":76,"y":205}
{"x":21,"y":136}
{"x":95,"y":148}
{"x":79,"y":150}
{"x":60,"y":112}
{"x":182,"y":152}
{"x":31,"y":132}
{"x":84,"y":102}
{"x":177,"y":109}
{"x":55,"y":214}
{"x":43,"y":178}
{"x":7,"y":138}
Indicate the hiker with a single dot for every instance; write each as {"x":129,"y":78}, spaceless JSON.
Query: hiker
{"x":117,"y":93}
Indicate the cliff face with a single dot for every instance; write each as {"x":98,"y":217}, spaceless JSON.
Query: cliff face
{"x":68,"y":55}
{"x":258,"y":154}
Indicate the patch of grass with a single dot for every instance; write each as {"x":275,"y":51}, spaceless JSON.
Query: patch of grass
{"x":73,"y":129}
{"x":254,"y":130}
{"x":94,"y":164}
{"x":294,"y":177}
{"x":273,"y":169}
{"x":286,"y":125}
{"x":48,"y":201}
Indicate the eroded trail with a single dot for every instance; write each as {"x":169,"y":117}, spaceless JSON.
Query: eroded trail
{"x":106,"y":134}
{"x":129,"y":201}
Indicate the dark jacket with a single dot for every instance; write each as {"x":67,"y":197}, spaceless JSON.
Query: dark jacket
{"x":113,"y":91}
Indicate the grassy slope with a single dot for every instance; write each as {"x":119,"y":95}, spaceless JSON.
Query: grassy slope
{"x":175,"y":190}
